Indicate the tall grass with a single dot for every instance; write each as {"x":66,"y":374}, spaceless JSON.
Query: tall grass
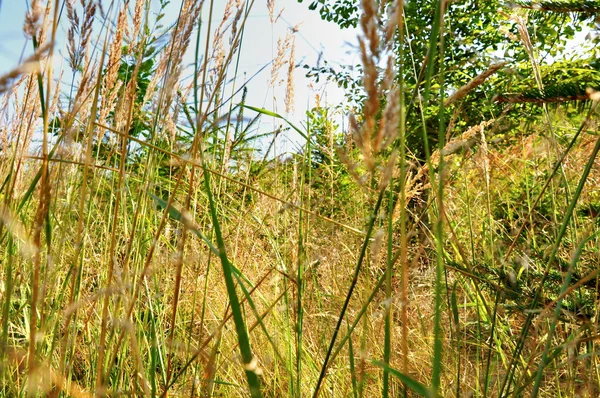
{"x":122,"y":186}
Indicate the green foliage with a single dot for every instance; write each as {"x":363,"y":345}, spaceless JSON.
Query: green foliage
{"x":475,"y":40}
{"x":511,"y":209}
{"x":145,"y":72}
{"x":329,"y":176}
{"x":564,"y":80}
{"x":342,"y":12}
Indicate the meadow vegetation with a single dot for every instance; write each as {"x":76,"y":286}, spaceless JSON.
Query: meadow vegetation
{"x":445,"y":243}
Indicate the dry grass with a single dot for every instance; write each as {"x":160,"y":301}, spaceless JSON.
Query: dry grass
{"x":118,"y":232}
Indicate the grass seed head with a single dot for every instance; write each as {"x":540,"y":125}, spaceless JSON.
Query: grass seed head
{"x":32,"y":19}
{"x":289,"y":92}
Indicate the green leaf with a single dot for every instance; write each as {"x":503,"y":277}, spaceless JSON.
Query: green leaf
{"x":278,"y":116}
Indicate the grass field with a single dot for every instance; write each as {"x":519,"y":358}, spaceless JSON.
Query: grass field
{"x":148,"y":247}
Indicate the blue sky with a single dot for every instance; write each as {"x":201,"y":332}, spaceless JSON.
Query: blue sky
{"x":315,"y":40}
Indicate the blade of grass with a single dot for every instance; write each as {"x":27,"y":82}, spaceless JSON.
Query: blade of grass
{"x":278,"y":116}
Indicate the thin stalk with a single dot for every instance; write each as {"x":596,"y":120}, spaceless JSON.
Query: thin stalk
{"x":440,"y":269}
{"x":403,"y":213}
{"x":77,"y":259}
{"x":9,"y":284}
{"x":301,"y":259}
{"x":388,"y":293}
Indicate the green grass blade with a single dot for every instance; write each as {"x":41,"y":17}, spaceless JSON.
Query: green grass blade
{"x":278,"y":116}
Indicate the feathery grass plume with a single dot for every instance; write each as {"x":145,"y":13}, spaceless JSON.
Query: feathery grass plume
{"x":27,"y":113}
{"x":159,"y":74}
{"x":369,"y":24}
{"x":86,"y":31}
{"x":11,"y":106}
{"x":371,"y":103}
{"x":289,"y":92}
{"x":236,"y":20}
{"x":137,"y":18}
{"x":414,"y":186}
{"x":42,"y":29}
{"x":388,"y":171}
{"x":80,"y":109}
{"x":279,"y":61}
{"x":474,"y":83}
{"x":126,"y":107}
{"x":32,"y":19}
{"x":521,"y":22}
{"x":470,"y":137}
{"x":389,"y":122}
{"x":395,"y":15}
{"x":110,"y":84}
{"x":391,"y":115}
{"x":376,"y":246}
{"x":73,"y":29}
{"x":352,"y":167}
{"x":218,"y":60}
{"x":218,"y":57}
{"x":78,"y":51}
{"x":271,"y":8}
{"x":115,"y":49}
{"x":171,"y":60}
{"x":54,"y":103}
{"x":218,"y":54}
{"x":30,"y":65}
{"x":368,"y":136}
{"x":4,"y":119}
